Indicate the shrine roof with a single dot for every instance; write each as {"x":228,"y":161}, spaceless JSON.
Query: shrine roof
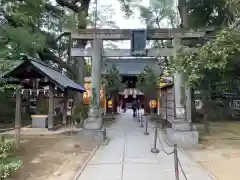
{"x":45,"y":70}
{"x":130,"y":66}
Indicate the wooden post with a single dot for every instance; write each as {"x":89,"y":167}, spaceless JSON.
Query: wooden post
{"x":50,"y":107}
{"x":65,"y":108}
{"x":18,"y":118}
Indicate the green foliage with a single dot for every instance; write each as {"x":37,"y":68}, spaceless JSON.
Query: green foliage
{"x":158,"y":12}
{"x":8,"y":163}
{"x":147,"y":82}
{"x":208,"y":13}
{"x":80,"y":112}
{"x":105,"y":16}
{"x":31,"y":28}
{"x":126,"y":6}
{"x":214,"y":65}
{"x":5,"y":66}
{"x":18,"y":33}
{"x":214,"y":59}
{"x":7,"y":106}
{"x":113,"y":82}
{"x":234,"y":7}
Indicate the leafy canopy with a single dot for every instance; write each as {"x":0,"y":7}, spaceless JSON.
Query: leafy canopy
{"x":113,"y":81}
{"x":147,"y":82}
{"x":215,"y":57}
{"x":215,"y":62}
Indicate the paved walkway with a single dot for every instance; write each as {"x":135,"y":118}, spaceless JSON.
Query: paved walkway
{"x":128,"y":157}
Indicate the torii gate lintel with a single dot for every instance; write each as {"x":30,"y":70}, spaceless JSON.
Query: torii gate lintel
{"x":126,"y":34}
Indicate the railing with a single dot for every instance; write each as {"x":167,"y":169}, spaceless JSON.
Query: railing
{"x":154,"y":149}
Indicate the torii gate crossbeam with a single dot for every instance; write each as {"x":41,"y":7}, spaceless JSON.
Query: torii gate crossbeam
{"x":125,"y":34}
{"x":78,"y":52}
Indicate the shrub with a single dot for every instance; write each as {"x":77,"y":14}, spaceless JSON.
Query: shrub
{"x":80,"y":113}
{"x":8,"y":162}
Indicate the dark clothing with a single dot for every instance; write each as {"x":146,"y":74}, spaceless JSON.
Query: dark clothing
{"x":134,"y":107}
{"x":138,"y":105}
{"x":124,"y":106}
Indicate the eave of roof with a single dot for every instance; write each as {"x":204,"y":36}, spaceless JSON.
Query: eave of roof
{"x":55,"y":76}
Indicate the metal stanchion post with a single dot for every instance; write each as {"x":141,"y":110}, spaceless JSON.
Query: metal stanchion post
{"x":146,"y":127}
{"x":138,"y":118}
{"x":141,"y":121}
{"x":176,"y":162}
{"x":154,"y":148}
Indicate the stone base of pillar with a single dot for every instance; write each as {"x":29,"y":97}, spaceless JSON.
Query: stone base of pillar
{"x":184,"y":134}
{"x":93,"y":126}
{"x":97,"y":135}
{"x":94,"y":120}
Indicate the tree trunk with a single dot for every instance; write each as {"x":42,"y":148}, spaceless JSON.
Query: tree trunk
{"x":183,"y":11}
{"x":206,"y":123}
{"x":147,"y":109}
{"x":207,"y":110}
{"x":78,"y":63}
{"x":193,"y":107}
{"x":18,"y":119}
{"x":115,"y":104}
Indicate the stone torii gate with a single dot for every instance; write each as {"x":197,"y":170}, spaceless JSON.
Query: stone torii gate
{"x":182,"y":131}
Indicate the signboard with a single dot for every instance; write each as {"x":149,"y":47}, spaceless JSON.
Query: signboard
{"x":138,"y":42}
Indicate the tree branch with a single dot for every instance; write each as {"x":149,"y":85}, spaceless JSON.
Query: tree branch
{"x":45,"y":53}
{"x":66,"y":3}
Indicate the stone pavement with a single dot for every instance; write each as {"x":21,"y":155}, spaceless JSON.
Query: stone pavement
{"x":128,"y":157}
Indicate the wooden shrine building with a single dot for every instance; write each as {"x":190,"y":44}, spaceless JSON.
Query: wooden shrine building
{"x":40,"y":82}
{"x":129,"y":68}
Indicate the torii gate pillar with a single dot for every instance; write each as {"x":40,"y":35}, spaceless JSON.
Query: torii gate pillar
{"x":183,"y":132}
{"x":93,"y":125}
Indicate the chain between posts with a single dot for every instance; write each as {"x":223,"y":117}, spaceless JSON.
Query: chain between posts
{"x":184,"y":174}
{"x":161,"y":144}
{"x":176,"y":159}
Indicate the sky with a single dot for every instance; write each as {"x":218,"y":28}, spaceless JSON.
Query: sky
{"x":131,"y":23}
{"x":134,"y":22}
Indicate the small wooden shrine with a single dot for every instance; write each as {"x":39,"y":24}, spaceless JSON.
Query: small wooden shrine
{"x":39,"y":82}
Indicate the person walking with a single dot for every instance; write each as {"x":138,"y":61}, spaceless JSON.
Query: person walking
{"x":134,"y":107}
{"x":138,"y":105}
{"x":124,"y":106}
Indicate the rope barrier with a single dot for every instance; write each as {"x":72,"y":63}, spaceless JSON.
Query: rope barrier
{"x":161,"y":144}
{"x":184,"y":174}
{"x":176,"y":159}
